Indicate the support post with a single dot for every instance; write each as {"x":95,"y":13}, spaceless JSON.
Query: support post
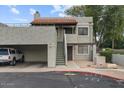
{"x":51,"y":55}
{"x":94,"y":53}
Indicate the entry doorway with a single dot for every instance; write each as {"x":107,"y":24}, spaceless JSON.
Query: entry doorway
{"x":70,"y":53}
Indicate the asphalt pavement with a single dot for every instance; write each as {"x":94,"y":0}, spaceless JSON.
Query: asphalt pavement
{"x":57,"y":80}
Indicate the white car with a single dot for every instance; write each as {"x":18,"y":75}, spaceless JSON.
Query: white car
{"x":11,"y":56}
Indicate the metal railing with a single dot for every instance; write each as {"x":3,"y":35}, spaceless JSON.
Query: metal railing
{"x":18,"y":24}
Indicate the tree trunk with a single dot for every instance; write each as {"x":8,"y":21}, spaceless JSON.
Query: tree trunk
{"x":113,"y":43}
{"x":99,"y":42}
{"x":100,"y":39}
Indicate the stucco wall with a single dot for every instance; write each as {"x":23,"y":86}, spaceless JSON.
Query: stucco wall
{"x":82,"y":57}
{"x":85,"y":22}
{"x":35,"y":53}
{"x":82,"y":22}
{"x":27,"y":35}
{"x":78,"y":39}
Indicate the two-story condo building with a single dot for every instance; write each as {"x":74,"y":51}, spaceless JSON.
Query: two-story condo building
{"x":52,"y":40}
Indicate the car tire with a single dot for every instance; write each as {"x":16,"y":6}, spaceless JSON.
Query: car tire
{"x":13,"y":63}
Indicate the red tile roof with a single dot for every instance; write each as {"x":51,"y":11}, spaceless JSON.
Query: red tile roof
{"x":66,"y":20}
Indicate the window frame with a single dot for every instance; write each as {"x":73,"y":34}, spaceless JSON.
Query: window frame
{"x":83,"y":27}
{"x":83,"y":53}
{"x":73,"y":30}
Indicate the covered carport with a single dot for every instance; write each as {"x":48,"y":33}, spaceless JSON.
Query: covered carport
{"x":37,"y":43}
{"x":32,"y":53}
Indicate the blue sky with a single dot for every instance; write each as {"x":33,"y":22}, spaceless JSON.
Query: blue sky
{"x":24,"y":13}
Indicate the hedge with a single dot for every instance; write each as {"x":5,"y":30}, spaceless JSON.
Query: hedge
{"x":107,"y":52}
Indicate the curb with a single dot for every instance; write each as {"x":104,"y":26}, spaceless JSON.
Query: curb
{"x":92,"y":73}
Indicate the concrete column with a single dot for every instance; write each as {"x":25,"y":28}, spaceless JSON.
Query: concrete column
{"x":94,"y":53}
{"x":91,"y":32}
{"x":51,"y":55}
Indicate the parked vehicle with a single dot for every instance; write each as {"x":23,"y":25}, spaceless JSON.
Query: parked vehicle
{"x":11,"y":56}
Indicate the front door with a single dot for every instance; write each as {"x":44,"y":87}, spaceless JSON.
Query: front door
{"x":69,"y":53}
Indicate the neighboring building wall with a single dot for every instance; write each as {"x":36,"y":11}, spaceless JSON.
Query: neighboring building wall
{"x":118,"y":59}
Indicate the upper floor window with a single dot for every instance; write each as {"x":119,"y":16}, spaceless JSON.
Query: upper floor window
{"x":69,"y":30}
{"x":82,"y":30}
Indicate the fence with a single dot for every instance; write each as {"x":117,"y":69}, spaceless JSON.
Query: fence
{"x":118,"y":59}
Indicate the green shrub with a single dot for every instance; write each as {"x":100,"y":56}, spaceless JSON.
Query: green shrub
{"x":107,"y":52}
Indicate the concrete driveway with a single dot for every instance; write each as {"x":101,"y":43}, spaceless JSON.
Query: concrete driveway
{"x":23,"y":67}
{"x":56,"y":80}
{"x":26,"y":65}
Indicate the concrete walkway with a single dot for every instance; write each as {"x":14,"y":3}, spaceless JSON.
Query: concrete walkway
{"x":71,"y":66}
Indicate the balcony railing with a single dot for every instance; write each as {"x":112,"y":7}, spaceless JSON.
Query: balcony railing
{"x":18,"y":24}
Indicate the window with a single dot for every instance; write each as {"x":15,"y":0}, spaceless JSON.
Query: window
{"x":3,"y":51}
{"x":83,"y":31}
{"x":82,"y":49}
{"x":12,"y":51}
{"x":69,"y":30}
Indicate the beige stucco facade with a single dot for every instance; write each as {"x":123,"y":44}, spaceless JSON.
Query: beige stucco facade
{"x":39,"y":43}
{"x":82,"y":22}
{"x":74,"y":39}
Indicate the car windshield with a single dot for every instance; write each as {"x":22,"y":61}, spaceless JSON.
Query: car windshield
{"x":3,"y":51}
